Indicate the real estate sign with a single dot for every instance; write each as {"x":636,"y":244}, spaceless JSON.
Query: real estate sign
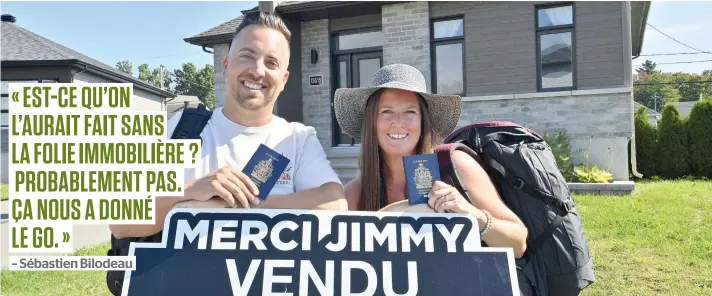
{"x":273,"y":252}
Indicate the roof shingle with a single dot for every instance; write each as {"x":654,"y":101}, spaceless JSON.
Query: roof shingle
{"x":20,"y":44}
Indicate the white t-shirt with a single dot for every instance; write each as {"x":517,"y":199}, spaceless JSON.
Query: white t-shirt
{"x":228,"y":143}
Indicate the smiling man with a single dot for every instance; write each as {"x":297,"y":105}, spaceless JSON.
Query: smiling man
{"x":255,"y":72}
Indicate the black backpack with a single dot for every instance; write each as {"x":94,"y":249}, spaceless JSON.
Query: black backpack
{"x":190,"y":125}
{"x":523,"y":168}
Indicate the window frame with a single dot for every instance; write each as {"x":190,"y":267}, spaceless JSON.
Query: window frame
{"x":334,"y":41}
{"x":570,"y":28}
{"x":435,"y":42}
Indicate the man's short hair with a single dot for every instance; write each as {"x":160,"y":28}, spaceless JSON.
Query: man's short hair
{"x":264,"y":19}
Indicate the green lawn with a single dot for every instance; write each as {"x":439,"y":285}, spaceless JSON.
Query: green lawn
{"x":35,"y":283}
{"x":3,"y":192}
{"x":656,"y":242}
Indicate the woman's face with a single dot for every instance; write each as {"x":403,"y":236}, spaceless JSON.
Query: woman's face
{"x":398,"y":122}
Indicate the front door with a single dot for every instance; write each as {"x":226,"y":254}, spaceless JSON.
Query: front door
{"x":354,"y":70}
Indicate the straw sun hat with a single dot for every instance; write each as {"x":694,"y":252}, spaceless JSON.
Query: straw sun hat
{"x":350,"y":103}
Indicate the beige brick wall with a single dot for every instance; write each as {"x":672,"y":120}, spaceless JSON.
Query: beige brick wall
{"x":316,"y":100}
{"x":220,"y":51}
{"x":406,"y":33}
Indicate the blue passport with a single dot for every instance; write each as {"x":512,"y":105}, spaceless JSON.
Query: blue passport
{"x":421,"y":172}
{"x":264,"y":169}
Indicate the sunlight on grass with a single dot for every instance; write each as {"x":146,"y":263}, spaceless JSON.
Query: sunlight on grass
{"x":653,"y":242}
{"x":26,"y":283}
{"x":3,"y":192}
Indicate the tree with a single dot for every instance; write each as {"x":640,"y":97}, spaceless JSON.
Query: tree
{"x":707,"y":73}
{"x":125,"y":66}
{"x":647,"y":68}
{"x":700,"y":135}
{"x":673,"y":145}
{"x":691,"y":86}
{"x":153,"y":76}
{"x":652,"y":91}
{"x":645,"y":134}
{"x":193,"y":82}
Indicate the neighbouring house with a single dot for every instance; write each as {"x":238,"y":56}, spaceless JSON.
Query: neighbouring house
{"x":652,"y":115}
{"x":546,"y":65}
{"x":29,"y":57}
{"x":181,"y":102}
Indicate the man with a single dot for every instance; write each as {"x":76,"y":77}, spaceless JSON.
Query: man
{"x":255,"y":73}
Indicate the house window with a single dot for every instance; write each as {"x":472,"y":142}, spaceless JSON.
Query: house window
{"x":555,"y":47}
{"x":448,"y":55}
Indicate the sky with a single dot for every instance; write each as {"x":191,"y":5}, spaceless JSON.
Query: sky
{"x":689,"y":23}
{"x":154,"y":34}
{"x":140,"y":32}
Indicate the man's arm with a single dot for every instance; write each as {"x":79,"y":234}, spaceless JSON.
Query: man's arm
{"x":163,"y":205}
{"x":316,"y":185}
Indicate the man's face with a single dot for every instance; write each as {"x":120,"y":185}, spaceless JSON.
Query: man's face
{"x":256,"y":67}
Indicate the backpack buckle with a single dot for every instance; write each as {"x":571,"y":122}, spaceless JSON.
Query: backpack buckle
{"x":568,"y":206}
{"x":520,"y":184}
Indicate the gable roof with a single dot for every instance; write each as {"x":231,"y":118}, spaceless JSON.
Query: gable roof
{"x":217,"y":34}
{"x":23,"y":47}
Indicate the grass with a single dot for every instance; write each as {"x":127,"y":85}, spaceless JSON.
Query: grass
{"x":26,"y":283}
{"x":3,"y":192}
{"x":655,"y":242}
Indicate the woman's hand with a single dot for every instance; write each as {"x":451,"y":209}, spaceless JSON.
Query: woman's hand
{"x":447,"y":199}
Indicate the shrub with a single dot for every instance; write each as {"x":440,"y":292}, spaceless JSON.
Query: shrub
{"x":560,"y":145}
{"x":672,"y":146}
{"x":645,"y":150}
{"x":592,"y":174}
{"x":699,"y":128}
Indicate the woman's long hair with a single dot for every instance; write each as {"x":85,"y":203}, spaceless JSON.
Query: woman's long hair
{"x":371,"y":160}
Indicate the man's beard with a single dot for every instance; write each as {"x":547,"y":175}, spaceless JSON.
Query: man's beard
{"x":252,"y":102}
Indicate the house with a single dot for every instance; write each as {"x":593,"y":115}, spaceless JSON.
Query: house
{"x":546,"y":65}
{"x":29,"y":57}
{"x":652,"y":115}
{"x":180,"y":102}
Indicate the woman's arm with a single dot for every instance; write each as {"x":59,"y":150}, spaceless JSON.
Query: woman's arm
{"x":353,"y":193}
{"x":507,"y":229}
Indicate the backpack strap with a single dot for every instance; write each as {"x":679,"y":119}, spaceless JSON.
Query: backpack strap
{"x":192,"y":122}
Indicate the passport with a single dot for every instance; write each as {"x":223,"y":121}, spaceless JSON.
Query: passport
{"x":264,"y":169}
{"x":421,"y":172}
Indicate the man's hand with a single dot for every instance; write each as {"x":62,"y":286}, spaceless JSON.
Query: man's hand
{"x":227,"y":183}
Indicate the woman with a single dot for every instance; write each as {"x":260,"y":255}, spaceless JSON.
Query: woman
{"x":398,"y":117}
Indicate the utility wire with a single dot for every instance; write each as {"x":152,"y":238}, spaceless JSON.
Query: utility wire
{"x":685,"y":62}
{"x":671,"y":54}
{"x":668,"y":36}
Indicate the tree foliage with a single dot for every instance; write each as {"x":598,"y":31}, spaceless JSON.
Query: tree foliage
{"x":125,"y":66}
{"x":699,"y":126}
{"x":645,"y":138}
{"x":673,"y":144}
{"x":189,"y":80}
{"x":196,"y":82}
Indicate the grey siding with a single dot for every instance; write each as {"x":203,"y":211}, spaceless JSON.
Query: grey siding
{"x":500,"y":45}
{"x":599,"y":47}
{"x":358,"y":22}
